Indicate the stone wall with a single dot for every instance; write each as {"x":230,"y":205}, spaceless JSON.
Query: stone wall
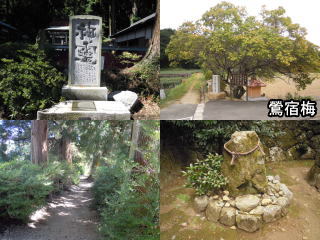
{"x":294,"y":144}
{"x":247,"y":212}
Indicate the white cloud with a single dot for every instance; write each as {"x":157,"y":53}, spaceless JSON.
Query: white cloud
{"x":306,"y":12}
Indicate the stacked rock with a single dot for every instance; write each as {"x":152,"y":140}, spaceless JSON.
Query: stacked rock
{"x":247,"y":212}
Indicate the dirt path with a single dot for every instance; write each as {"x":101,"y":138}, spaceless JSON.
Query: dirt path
{"x":66,"y":217}
{"x":180,"y":221}
{"x":192,"y":96}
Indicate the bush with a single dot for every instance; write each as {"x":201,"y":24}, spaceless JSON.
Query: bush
{"x":62,"y":175}
{"x":28,"y":81}
{"x":145,"y":77}
{"x":128,"y":203}
{"x":24,"y":186}
{"x":205,"y":176}
{"x":107,"y":183}
{"x":22,"y":189}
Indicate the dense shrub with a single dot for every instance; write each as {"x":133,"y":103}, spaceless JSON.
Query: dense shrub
{"x":146,"y":76}
{"x":28,"y":81}
{"x":143,"y":78}
{"x":23,"y":189}
{"x":205,"y":175}
{"x":107,"y":183}
{"x":62,"y":175}
{"x":24,"y":186}
{"x":128,"y":203}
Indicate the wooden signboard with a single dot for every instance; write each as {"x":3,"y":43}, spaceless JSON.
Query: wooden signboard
{"x":239,"y":80}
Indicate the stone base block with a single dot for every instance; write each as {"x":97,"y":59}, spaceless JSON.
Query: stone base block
{"x":85,"y":110}
{"x":215,"y":96}
{"x":85,"y":93}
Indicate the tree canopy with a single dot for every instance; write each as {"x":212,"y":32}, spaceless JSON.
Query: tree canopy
{"x":226,"y":40}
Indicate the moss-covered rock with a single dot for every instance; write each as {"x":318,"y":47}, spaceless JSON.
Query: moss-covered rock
{"x":248,"y":174}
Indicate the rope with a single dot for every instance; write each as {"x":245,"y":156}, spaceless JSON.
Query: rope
{"x":235,"y":155}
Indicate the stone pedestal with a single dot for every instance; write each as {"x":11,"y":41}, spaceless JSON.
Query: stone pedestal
{"x":85,"y":110}
{"x":85,"y":93}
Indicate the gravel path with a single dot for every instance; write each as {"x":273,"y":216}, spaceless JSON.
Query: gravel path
{"x":66,"y":217}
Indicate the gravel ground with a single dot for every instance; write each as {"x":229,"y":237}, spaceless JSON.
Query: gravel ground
{"x":67,"y":216}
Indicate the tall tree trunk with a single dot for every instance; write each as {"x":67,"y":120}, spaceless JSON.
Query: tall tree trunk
{"x":111,"y":17}
{"x":134,"y":138}
{"x":134,"y":11}
{"x":154,"y":47}
{"x":39,"y":141}
{"x":66,"y":149}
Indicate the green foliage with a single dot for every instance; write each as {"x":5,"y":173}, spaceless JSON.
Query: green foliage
{"x":205,"y":176}
{"x":126,"y":194}
{"x":296,"y":96}
{"x":226,"y":41}
{"x":209,"y":135}
{"x":107,"y":184}
{"x":128,"y":203}
{"x":128,"y":58}
{"x":28,"y":82}
{"x":145,"y":77}
{"x":24,"y":186}
{"x":62,"y":175}
{"x":165,"y":35}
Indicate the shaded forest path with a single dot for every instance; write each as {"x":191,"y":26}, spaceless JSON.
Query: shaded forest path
{"x":67,"y":216}
{"x":179,"y":221}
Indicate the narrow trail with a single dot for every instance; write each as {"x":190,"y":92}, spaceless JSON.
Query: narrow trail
{"x":67,"y":216}
{"x":179,"y":221}
{"x":191,"y":97}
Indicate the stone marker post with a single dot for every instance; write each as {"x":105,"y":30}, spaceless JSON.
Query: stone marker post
{"x":245,"y":168}
{"x":84,"y":83}
{"x":215,"y":83}
{"x":85,"y":50}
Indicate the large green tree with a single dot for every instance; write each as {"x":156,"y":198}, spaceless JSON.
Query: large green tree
{"x":165,"y":35}
{"x":226,"y":40}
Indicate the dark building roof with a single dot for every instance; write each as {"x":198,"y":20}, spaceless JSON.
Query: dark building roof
{"x":8,"y":26}
{"x":136,"y":25}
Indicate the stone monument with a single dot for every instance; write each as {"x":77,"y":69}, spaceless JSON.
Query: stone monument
{"x":244,"y":163}
{"x":85,"y":35}
{"x":215,"y":83}
{"x":87,"y":99}
{"x":252,"y":198}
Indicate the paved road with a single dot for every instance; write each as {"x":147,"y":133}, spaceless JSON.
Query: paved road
{"x":224,"y":110}
{"x":178,"y":111}
{"x":232,"y":110}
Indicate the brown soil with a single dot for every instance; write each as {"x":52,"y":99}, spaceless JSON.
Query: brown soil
{"x":179,"y":220}
{"x":191,"y":97}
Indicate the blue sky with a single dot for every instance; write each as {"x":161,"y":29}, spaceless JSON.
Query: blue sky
{"x":306,"y":12}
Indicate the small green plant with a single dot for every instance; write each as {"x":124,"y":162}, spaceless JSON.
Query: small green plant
{"x":128,"y":58}
{"x":205,"y":175}
{"x":296,"y":96}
